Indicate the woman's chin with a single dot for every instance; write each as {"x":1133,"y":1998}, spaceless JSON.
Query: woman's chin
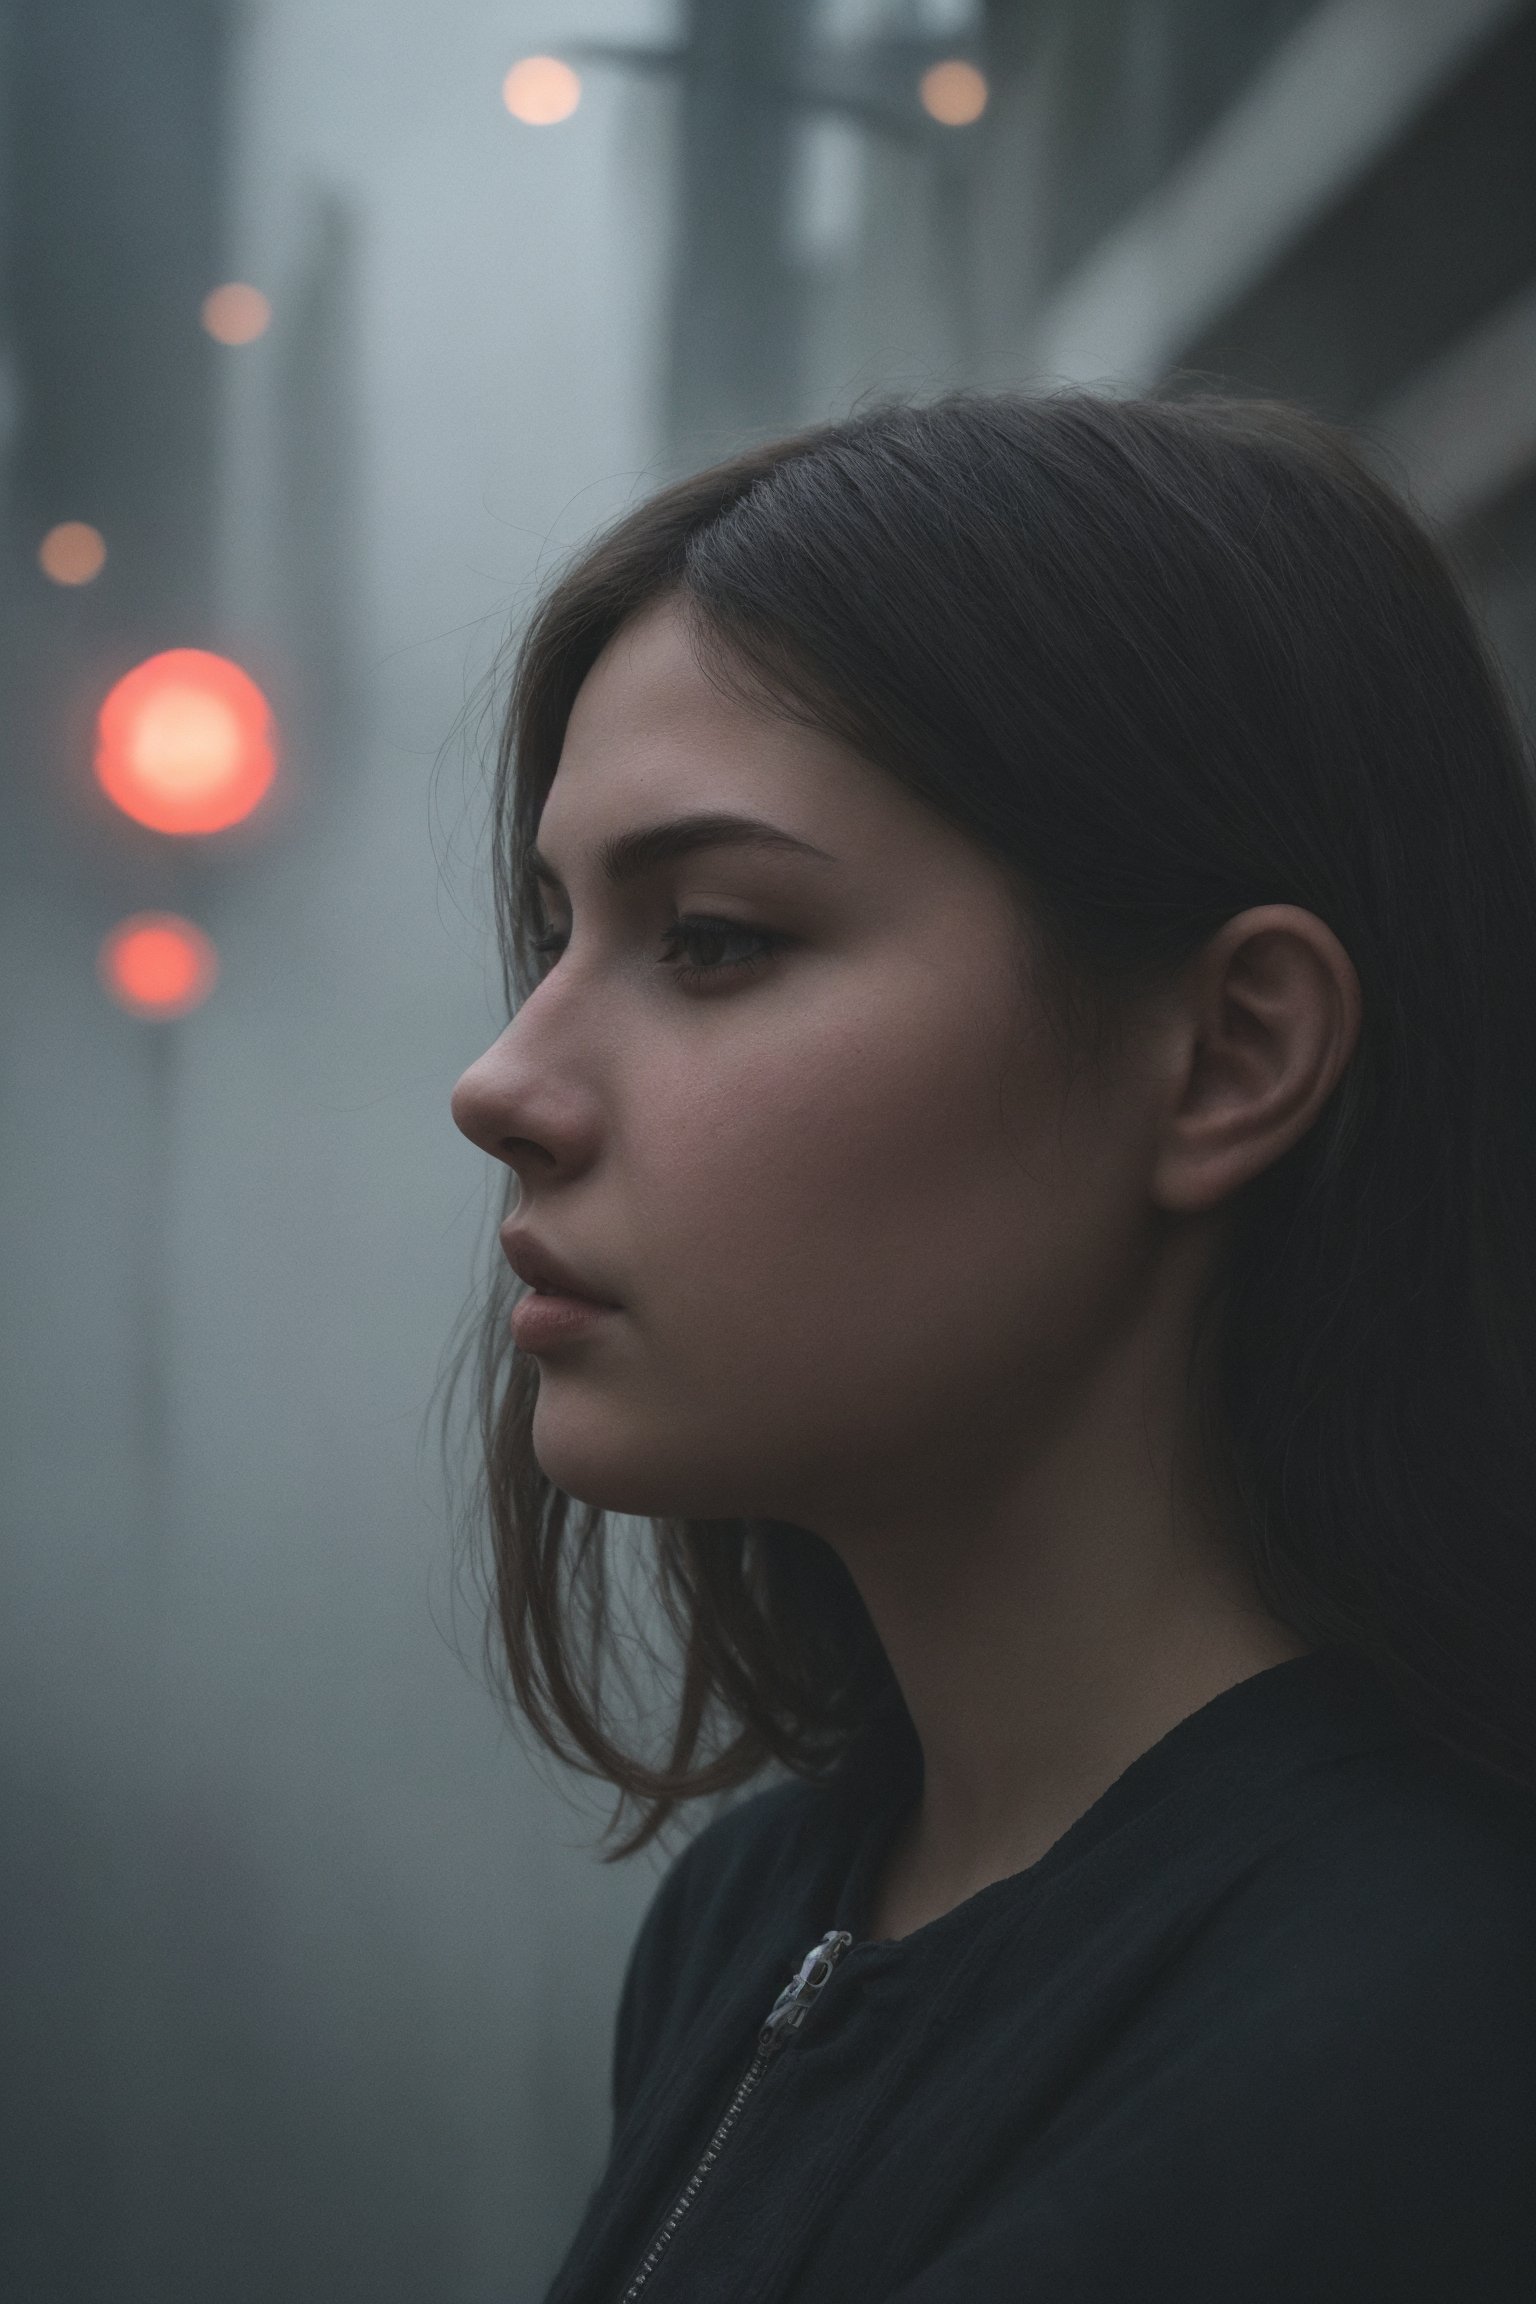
{"x":636,"y":1482}
{"x":588,"y":1466}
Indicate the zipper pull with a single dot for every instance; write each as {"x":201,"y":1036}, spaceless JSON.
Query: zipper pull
{"x":794,"y":2003}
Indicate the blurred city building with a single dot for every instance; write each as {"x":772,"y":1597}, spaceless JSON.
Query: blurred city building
{"x":1331,"y":202}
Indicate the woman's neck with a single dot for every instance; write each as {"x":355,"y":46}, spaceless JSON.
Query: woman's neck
{"x":1010,"y":1769}
{"x":1051,"y":1605}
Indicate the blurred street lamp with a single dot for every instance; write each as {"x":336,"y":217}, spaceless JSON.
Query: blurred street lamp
{"x":72,"y":553}
{"x":237,"y":313}
{"x":541,"y":91}
{"x":158,"y":965}
{"x":185,"y":743}
{"x":953,"y":92}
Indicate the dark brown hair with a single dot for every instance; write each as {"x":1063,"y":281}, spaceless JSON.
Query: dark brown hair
{"x":1163,"y":659}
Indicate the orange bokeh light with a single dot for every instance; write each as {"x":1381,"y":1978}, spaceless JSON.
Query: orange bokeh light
{"x":72,"y":553}
{"x":954,"y":93}
{"x":185,"y":743}
{"x":541,"y":90}
{"x":157,"y":964}
{"x":237,"y":313}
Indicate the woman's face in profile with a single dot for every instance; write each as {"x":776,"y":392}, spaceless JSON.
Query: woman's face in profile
{"x":824,"y":1156}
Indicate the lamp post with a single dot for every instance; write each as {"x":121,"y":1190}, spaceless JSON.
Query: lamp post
{"x":185,"y":748}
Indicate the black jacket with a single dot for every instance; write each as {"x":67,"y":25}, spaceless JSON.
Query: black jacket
{"x":1260,"y":2027}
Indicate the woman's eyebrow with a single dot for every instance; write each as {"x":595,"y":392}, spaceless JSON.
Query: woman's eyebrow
{"x":626,"y":856}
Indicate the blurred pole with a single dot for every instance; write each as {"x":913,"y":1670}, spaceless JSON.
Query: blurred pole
{"x":318,"y":521}
{"x":736,"y":316}
{"x":153,"y":1297}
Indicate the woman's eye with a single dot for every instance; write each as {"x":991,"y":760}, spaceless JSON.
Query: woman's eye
{"x":548,"y":946}
{"x":708,"y":948}
{"x":702,"y":938}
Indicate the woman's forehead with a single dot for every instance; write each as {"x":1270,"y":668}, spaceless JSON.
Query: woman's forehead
{"x":652,"y":735}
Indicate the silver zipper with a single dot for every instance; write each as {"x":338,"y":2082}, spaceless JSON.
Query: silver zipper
{"x":783,"y":2021}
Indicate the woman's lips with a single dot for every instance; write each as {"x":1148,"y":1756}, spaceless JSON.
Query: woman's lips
{"x":532,"y":1260}
{"x":541,"y":1321}
{"x":565,"y":1305}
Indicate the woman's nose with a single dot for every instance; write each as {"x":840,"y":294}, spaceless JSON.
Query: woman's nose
{"x":479,"y":1106}
{"x":531,"y":1114}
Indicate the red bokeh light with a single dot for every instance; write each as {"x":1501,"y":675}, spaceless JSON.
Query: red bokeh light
{"x":157,"y":964}
{"x":185,"y":743}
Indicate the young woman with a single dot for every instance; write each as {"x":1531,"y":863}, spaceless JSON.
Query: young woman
{"x":1021,"y":927}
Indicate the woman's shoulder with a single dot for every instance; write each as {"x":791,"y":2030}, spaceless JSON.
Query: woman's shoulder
{"x":1435,"y":1847}
{"x":1333,"y":2082}
{"x":1402,"y":1926}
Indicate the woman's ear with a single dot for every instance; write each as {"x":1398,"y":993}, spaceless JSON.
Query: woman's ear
{"x":1263,"y":1022}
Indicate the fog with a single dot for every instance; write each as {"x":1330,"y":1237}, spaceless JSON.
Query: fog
{"x":311,"y":1974}
{"x":310,"y":1965}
